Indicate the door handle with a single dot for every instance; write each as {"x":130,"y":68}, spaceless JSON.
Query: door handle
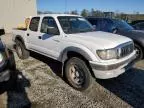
{"x":27,"y":34}
{"x":39,"y":37}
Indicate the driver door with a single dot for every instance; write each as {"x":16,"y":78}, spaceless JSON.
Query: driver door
{"x":49,"y":41}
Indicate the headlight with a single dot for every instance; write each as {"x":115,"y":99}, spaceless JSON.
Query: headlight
{"x":107,"y":54}
{"x":1,"y":57}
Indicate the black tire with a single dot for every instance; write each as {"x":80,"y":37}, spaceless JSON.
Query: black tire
{"x":139,"y":52}
{"x":12,"y":66}
{"x":12,"y":63}
{"x":83,"y":71}
{"x":21,"y":51}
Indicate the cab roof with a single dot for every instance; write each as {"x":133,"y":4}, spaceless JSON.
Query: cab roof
{"x":55,"y":15}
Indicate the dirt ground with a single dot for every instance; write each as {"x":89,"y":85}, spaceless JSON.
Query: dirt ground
{"x":40,"y":85}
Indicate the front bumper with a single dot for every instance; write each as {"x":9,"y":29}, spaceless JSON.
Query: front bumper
{"x":107,"y":71}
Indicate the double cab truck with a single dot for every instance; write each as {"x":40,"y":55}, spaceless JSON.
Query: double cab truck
{"x":71,"y":39}
{"x":7,"y":61}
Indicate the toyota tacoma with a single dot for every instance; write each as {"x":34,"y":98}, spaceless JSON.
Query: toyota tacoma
{"x":71,"y":39}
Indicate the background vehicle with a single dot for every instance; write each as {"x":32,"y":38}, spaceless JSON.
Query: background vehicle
{"x":122,"y":28}
{"x":71,"y":40}
{"x":139,"y":26}
{"x":7,"y":62}
{"x":135,"y":22}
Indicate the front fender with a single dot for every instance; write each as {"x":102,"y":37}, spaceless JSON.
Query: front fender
{"x":85,"y":52}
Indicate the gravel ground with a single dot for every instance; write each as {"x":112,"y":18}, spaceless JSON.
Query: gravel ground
{"x":40,"y":85}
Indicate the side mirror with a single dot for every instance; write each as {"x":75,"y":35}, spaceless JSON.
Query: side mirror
{"x":2,"y":31}
{"x":52,"y":31}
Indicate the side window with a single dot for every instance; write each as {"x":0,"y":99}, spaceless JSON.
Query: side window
{"x":34,"y":24}
{"x":49,"y":26}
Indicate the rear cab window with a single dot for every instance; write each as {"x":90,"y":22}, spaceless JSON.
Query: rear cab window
{"x":34,"y":24}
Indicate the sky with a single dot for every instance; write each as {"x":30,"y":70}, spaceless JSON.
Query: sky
{"x":126,"y":6}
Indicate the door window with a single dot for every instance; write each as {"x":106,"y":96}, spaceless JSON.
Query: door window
{"x":49,"y":26}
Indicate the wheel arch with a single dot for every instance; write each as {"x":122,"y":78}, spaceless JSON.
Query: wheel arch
{"x":19,"y":38}
{"x":76,"y":52}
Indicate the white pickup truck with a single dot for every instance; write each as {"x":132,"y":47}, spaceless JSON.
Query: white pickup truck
{"x":72,"y":40}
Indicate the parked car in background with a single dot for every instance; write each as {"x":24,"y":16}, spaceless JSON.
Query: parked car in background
{"x":83,"y":52}
{"x":136,"y":21}
{"x":7,"y":61}
{"x":122,"y":28}
{"x":139,"y":26}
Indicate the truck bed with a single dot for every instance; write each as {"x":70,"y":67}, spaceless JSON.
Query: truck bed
{"x":23,"y":29}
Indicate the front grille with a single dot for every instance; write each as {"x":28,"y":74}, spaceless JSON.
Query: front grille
{"x":126,"y":50}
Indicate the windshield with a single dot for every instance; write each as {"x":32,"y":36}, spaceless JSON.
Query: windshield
{"x":72,"y":24}
{"x":121,"y":24}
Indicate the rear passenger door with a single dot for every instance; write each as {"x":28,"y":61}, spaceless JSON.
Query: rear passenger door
{"x":32,"y":33}
{"x":41,"y":40}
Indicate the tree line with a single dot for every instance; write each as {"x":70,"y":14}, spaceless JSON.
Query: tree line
{"x":98,"y":13}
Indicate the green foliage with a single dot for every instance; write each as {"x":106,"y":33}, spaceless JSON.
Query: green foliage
{"x":85,"y":13}
{"x":98,"y":13}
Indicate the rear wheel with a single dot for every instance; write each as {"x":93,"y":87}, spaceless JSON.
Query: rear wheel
{"x":139,"y":52}
{"x":78,"y":74}
{"x":22,"y":52}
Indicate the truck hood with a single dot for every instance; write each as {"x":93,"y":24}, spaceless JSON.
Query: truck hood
{"x":102,"y":40}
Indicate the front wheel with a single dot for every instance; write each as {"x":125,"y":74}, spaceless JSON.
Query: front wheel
{"x":78,"y":74}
